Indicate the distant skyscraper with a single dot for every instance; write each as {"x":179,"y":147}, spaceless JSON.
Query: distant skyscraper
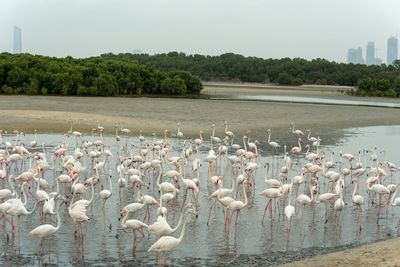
{"x":17,"y":40}
{"x":370,"y":54}
{"x":378,"y":61}
{"x":355,"y":56}
{"x":392,"y":50}
{"x":137,"y":51}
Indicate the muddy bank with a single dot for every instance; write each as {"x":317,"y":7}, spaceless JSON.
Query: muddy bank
{"x":51,"y":114}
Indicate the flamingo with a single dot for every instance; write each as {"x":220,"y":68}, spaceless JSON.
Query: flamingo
{"x":146,"y":200}
{"x":33,"y":143}
{"x":221,"y":195}
{"x":270,"y":182}
{"x":45,"y":230}
{"x":296,"y":149}
{"x":289,"y":212}
{"x":396,"y":201}
{"x":18,"y":209}
{"x":326,"y":198}
{"x":237,"y":206}
{"x":7,"y":193}
{"x":161,"y":226}
{"x":311,"y":139}
{"x":229,"y":134}
{"x":199,"y":141}
{"x":339,"y":203}
{"x":134,"y":225}
{"x":271,"y":193}
{"x":380,"y":189}
{"x":189,"y":184}
{"x":274,"y":145}
{"x":305,"y":200}
{"x":104,"y":195}
{"x":179,"y":134}
{"x":298,"y":132}
{"x":167,"y":243}
{"x":357,"y":200}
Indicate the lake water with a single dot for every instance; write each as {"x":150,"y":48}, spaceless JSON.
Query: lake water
{"x":209,"y":245}
{"x":387,"y":103}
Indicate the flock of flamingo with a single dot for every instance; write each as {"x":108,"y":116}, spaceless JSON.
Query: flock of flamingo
{"x":162,"y":176}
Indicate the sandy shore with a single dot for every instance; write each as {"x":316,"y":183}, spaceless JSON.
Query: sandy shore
{"x":384,"y":253}
{"x":51,"y":113}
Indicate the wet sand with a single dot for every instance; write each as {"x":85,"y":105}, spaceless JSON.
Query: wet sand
{"x":51,"y":114}
{"x":384,"y":253}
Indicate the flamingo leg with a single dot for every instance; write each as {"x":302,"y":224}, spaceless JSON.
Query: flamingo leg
{"x":134,"y":241}
{"x":140,"y":238}
{"x":379,"y":210}
{"x":265,"y":211}
{"x":237,"y":215}
{"x":211,"y":207}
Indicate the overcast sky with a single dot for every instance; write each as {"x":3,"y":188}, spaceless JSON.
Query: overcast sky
{"x":267,"y":29}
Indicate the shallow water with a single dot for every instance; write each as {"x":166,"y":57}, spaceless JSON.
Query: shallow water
{"x":209,"y":245}
{"x":309,"y":100}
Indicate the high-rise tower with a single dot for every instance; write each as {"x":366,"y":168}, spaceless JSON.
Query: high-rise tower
{"x":355,"y":56}
{"x":370,"y":54}
{"x":392,"y":50}
{"x":17,"y":40}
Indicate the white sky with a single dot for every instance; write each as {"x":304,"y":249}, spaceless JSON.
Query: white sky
{"x":275,"y":28}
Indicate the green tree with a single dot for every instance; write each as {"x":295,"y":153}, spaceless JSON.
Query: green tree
{"x":284,"y":78}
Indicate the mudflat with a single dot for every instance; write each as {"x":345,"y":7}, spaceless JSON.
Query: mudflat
{"x":51,"y":113}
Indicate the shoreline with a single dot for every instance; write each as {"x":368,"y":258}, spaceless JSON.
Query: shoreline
{"x":51,"y":114}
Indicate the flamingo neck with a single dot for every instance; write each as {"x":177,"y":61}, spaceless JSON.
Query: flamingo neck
{"x":212,"y":169}
{"x":92,"y":196}
{"x":312,"y":194}
{"x":58,"y":218}
{"x":233,"y":184}
{"x":355,"y":188}
{"x":397,"y":186}
{"x":124,"y":220}
{"x":183,"y":214}
{"x":266,"y":174}
{"x":109,"y":178}
{"x":11,"y":185}
{"x":24,"y":195}
{"x":159,"y":176}
{"x":183,"y":230}
{"x":308,"y":150}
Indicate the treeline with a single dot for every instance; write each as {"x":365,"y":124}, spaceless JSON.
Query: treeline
{"x":95,"y":76}
{"x":377,"y":87}
{"x":285,"y":71}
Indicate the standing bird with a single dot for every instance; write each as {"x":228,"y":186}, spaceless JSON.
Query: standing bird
{"x":298,"y":132}
{"x":179,"y":134}
{"x":238,"y":206}
{"x":33,"y":143}
{"x":396,"y":201}
{"x":167,"y":243}
{"x":45,"y":230}
{"x":271,"y":193}
{"x":134,"y":225}
{"x":106,"y":194}
{"x":289,"y":211}
{"x":305,"y":200}
{"x":274,"y":145}
{"x":358,"y":200}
